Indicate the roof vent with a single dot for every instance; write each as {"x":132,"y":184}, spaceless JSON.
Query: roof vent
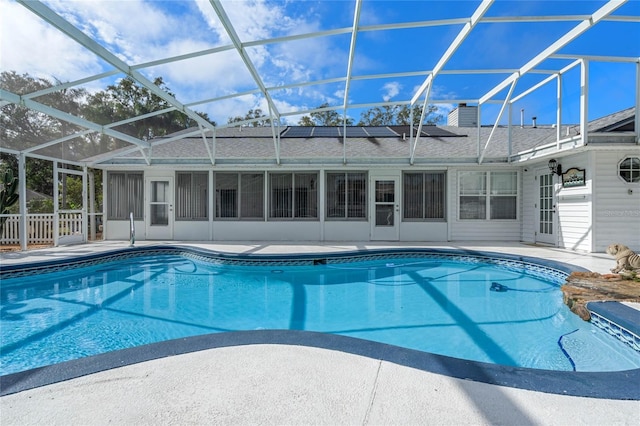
{"x":533,"y":119}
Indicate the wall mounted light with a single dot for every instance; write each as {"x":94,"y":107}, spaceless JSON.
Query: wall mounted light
{"x":554,"y":167}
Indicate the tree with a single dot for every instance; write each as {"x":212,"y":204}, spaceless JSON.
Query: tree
{"x":127,"y":99}
{"x":21,"y":127}
{"x":252,"y":114}
{"x":388,"y":115}
{"x":8,"y":196}
{"x":324,"y":118}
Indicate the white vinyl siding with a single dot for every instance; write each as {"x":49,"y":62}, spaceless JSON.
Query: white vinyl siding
{"x":616,"y":217}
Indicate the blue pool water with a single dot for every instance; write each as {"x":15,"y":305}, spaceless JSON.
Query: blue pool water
{"x":465,"y":309}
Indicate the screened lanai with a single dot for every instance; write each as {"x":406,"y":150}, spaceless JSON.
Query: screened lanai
{"x":241,"y":64}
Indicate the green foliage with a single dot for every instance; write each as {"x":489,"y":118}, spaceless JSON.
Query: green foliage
{"x":253,"y":114}
{"x":127,"y":99}
{"x":324,"y":118}
{"x":8,"y":196}
{"x":398,"y":115}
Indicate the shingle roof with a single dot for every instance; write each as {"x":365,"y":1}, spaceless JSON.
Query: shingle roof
{"x":248,"y":144}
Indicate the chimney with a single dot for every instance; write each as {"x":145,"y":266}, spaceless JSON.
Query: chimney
{"x":463,"y":116}
{"x":533,"y":119}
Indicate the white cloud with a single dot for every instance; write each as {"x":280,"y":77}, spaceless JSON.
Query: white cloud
{"x":29,"y":45}
{"x":391,"y":90}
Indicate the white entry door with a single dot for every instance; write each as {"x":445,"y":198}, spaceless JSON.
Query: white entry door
{"x":385,"y":208}
{"x":159,"y":214}
{"x":545,"y":232}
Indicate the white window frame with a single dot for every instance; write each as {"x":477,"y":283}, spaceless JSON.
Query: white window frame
{"x":294,"y":216}
{"x":634,"y":172}
{"x":239,"y":196}
{"x":488,"y":193}
{"x":347,"y":202}
{"x":423,"y":202}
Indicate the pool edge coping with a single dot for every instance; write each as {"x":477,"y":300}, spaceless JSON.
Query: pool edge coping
{"x":602,"y":385}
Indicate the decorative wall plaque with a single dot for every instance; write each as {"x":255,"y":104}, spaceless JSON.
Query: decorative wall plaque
{"x":573,"y":177}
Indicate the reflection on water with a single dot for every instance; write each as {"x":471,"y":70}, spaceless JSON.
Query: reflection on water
{"x":450,"y":308}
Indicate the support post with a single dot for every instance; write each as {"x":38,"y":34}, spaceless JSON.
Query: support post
{"x":85,"y":222}
{"x":56,"y":205}
{"x":22,"y":196}
{"x":584,"y":100}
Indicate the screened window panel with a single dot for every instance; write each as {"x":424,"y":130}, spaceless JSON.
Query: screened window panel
{"x":125,"y":195}
{"x":226,"y":195}
{"x":424,"y":195}
{"x":252,"y":196}
{"x":413,"y":196}
{"x":191,"y":195}
{"x":306,"y":195}
{"x":357,"y":195}
{"x":281,"y":200}
{"x":434,"y":195}
{"x":336,"y":195}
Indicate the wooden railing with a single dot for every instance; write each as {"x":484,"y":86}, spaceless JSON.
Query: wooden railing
{"x":40,"y":228}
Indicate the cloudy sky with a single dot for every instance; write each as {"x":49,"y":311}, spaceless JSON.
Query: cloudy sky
{"x":143,"y":32}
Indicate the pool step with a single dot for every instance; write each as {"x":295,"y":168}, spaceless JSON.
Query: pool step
{"x":617,"y":319}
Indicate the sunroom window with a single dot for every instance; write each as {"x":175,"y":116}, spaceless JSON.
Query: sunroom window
{"x":629,"y":169}
{"x":424,"y":196}
{"x":239,"y":196}
{"x":191,"y":195}
{"x":293,"y":196}
{"x":492,"y":195}
{"x":125,"y":195}
{"x":346,"y":196}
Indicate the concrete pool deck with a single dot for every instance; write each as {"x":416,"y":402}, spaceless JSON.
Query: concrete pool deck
{"x":285,"y":384}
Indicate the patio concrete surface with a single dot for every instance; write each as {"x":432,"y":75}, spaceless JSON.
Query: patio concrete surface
{"x":283,"y":384}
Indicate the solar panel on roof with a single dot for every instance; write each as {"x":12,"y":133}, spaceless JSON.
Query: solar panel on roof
{"x":298,"y":132}
{"x":326,"y":132}
{"x":356,"y":132}
{"x":380,"y":132}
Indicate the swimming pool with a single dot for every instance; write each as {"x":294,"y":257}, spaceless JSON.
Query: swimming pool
{"x":483,"y":308}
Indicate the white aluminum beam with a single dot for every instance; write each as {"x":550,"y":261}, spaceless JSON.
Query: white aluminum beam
{"x":584,"y":100}
{"x":637,"y":118}
{"x":545,"y":81}
{"x":462,"y":35}
{"x":495,"y":126}
{"x":75,"y":34}
{"x":36,"y":106}
{"x":572,"y":34}
{"x":347,"y":84}
{"x":67,"y":85}
{"x":235,"y":39}
{"x":57,"y":141}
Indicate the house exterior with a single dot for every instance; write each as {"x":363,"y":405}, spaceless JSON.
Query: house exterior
{"x":449,"y":183}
